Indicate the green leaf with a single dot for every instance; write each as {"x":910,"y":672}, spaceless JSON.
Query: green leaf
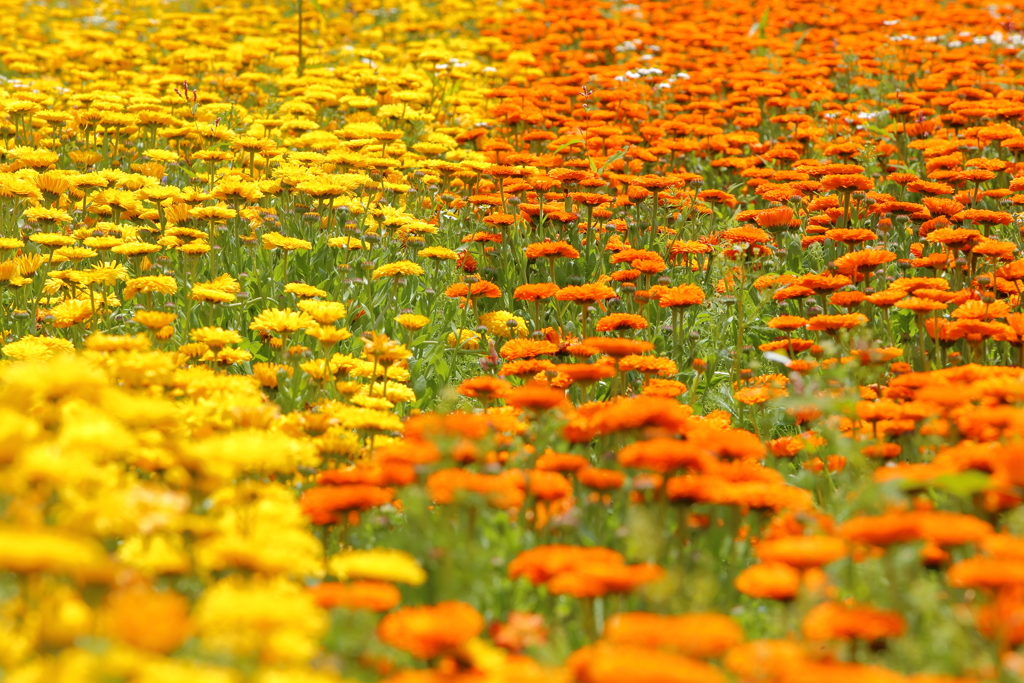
{"x":570,"y":143}
{"x":610,"y":160}
{"x":963,"y":484}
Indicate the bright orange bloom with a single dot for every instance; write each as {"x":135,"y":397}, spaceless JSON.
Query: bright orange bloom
{"x":704,"y":636}
{"x":586,"y":294}
{"x":683,"y":295}
{"x":534,"y":292}
{"x":551,"y":250}
{"x":481,"y":288}
{"x":322,"y":504}
{"x":834,"y":621}
{"x":374,"y":596}
{"x":433,"y":630}
{"x":828,"y":323}
{"x":770,"y":580}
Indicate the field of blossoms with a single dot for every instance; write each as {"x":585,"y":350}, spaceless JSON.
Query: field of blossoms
{"x":512,"y":341}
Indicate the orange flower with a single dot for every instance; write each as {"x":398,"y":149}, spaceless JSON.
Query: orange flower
{"x":648,"y":365}
{"x":775,"y":217}
{"x":746,"y":235}
{"x":535,"y":396}
{"x":829,"y":323}
{"x":484,"y":387}
{"x":847,"y":182}
{"x":597,"y":579}
{"x":885,"y":529}
{"x":987,"y":572}
{"x":323,"y":503}
{"x":683,"y":295}
{"x":586,"y":294}
{"x":433,"y":630}
{"x":620,"y":321}
{"x":666,"y":455}
{"x":535,"y":292}
{"x":705,"y":636}
{"x":514,"y":349}
{"x":771,"y":581}
{"x":600,"y":479}
{"x":147,"y":619}
{"x":605,"y":662}
{"x":374,"y":596}
{"x":663,"y":387}
{"x":860,"y":261}
{"x":585,"y":372}
{"x":481,"y":288}
{"x":560,"y":462}
{"x":920,"y":305}
{"x":551,"y":250}
{"x":850,"y":235}
{"x":618,"y":347}
{"x":834,"y":621}
{"x":543,"y":562}
{"x":802,"y":552}
{"x":787,"y":322}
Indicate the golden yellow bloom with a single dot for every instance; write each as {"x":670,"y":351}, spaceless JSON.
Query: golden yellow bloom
{"x":275,"y":240}
{"x":379,"y":564}
{"x":396,"y":269}
{"x":150,"y":284}
{"x":411,"y":321}
{"x":281,"y":321}
{"x":303,"y":290}
{"x":154,"y":320}
{"x":215,"y":337}
{"x":324,"y":312}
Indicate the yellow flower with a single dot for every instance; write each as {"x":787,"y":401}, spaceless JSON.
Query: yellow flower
{"x":411,"y":321}
{"x":71,"y":312}
{"x":304,"y":290}
{"x":26,"y":550}
{"x":214,"y":337}
{"x":150,"y":284}
{"x":275,"y":240}
{"x":37,"y":348}
{"x":328,"y":336}
{"x":274,"y":619}
{"x":498,"y":324}
{"x":467,"y":339}
{"x":215,"y":296}
{"x":39,"y":214}
{"x":280,"y":321}
{"x":438,"y":254}
{"x":379,"y":564}
{"x":397,"y":268}
{"x":324,"y":312}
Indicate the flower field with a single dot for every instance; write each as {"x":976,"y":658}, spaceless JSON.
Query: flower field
{"x":506,"y":341}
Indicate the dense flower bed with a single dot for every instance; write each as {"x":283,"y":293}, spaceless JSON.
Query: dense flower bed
{"x":671,"y":342}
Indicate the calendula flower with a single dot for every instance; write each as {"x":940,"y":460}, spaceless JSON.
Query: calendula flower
{"x":396,"y":269}
{"x":281,"y":321}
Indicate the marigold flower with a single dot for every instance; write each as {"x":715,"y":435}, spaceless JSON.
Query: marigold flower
{"x":535,"y":292}
{"x":605,"y":662}
{"x":769,"y":580}
{"x":323,"y":503}
{"x":705,"y":636}
{"x":551,"y":250}
{"x":618,"y":347}
{"x":585,"y":294}
{"x":833,"y":621}
{"x":432,"y":630}
{"x":374,"y":596}
{"x":516,"y":349}
{"x":802,"y":552}
{"x":829,"y":323}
